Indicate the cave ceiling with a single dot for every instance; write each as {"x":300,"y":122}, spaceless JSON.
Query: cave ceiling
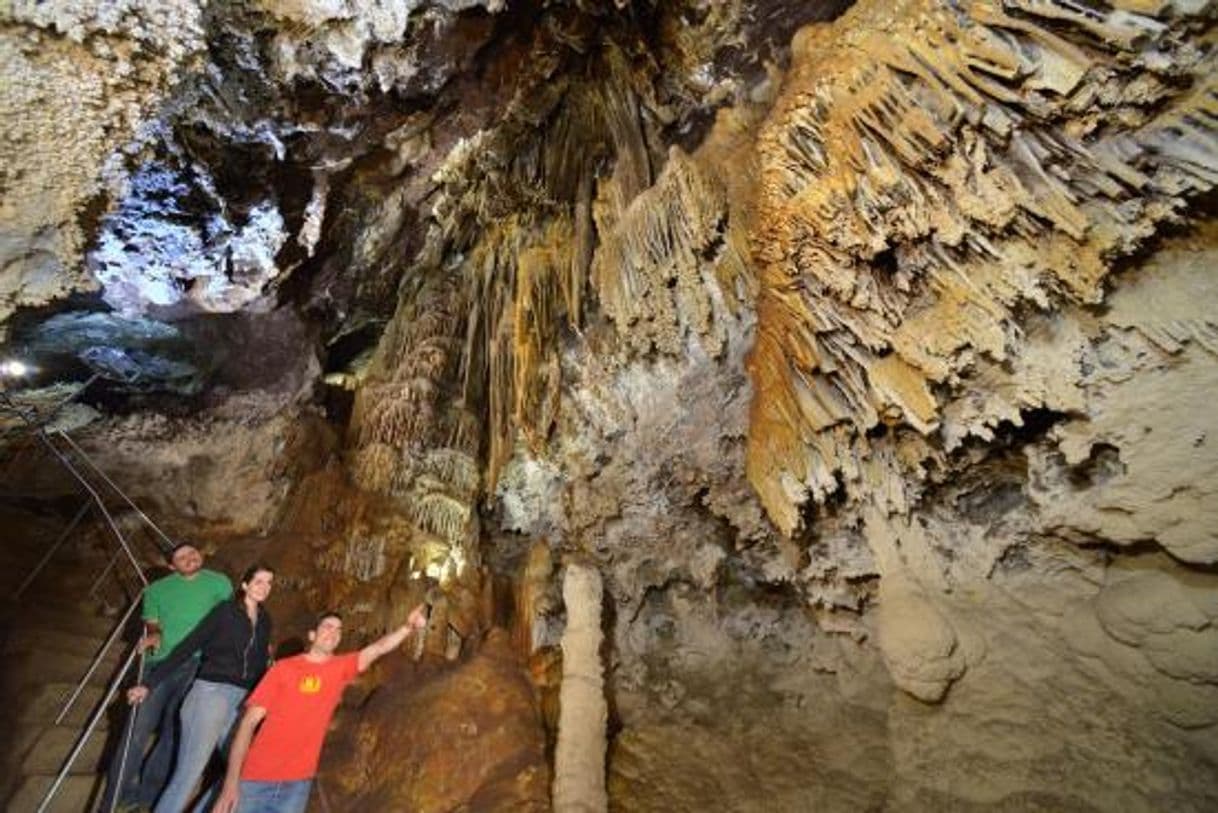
{"x":211,"y":183}
{"x":558,"y":160}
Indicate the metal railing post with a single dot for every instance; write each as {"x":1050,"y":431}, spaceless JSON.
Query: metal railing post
{"x":83,"y":739}
{"x":63,"y":537}
{"x":128,"y":732}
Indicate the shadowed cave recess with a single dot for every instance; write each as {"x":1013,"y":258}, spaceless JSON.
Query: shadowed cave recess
{"x":849,"y":367}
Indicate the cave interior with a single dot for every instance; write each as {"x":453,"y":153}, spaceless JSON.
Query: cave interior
{"x":778,"y":405}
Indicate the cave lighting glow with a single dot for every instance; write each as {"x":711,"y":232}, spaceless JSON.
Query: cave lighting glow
{"x":14,"y":368}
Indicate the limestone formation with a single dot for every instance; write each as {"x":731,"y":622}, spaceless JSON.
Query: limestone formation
{"x":931,"y":172}
{"x":917,"y":641}
{"x":80,"y":81}
{"x":579,"y":759}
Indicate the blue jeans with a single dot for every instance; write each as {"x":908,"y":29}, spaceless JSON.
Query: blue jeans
{"x":144,"y":777}
{"x":207,"y":718}
{"x":274,"y":797}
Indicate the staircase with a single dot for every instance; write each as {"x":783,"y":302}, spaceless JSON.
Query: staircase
{"x":51,"y":633}
{"x":47,"y":641}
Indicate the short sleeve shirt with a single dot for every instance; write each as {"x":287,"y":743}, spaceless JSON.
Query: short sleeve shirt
{"x":178,"y":605}
{"x":300,"y":697}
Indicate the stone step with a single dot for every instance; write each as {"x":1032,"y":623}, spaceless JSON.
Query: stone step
{"x":41,"y":748}
{"x":29,"y":669}
{"x":77,"y":615}
{"x":27,"y":639}
{"x":21,"y":552}
{"x":57,"y":575}
{"x":54,"y":744}
{"x":17,"y":560}
{"x":45,"y":701}
{"x":74,"y":796}
{"x":32,"y":543}
{"x":18,"y":741}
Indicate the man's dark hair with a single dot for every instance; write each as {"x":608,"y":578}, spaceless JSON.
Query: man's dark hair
{"x":327,"y":614}
{"x":178,"y":546}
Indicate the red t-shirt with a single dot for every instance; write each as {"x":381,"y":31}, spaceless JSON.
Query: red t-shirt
{"x":299,"y":697}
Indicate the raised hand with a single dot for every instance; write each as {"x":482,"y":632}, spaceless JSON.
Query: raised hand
{"x":418,"y":617}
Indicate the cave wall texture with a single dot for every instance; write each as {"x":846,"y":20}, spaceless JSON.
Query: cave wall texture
{"x":866,"y":350}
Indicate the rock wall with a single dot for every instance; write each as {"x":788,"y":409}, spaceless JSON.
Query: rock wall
{"x":81,"y":80}
{"x":964,"y":454}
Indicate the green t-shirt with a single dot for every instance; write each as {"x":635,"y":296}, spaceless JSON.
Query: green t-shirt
{"x":179,"y":604}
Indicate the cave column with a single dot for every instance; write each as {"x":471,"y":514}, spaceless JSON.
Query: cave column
{"x":579,"y":760}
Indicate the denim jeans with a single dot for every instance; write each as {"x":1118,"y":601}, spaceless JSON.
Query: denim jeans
{"x":207,"y":716}
{"x":144,"y":777}
{"x":274,"y":797}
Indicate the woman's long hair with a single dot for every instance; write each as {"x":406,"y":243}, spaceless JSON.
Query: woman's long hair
{"x":250,"y":572}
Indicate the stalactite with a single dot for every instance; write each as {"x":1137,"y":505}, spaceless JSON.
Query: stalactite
{"x":531,"y":598}
{"x":647,"y":270}
{"x":523,"y":278}
{"x":584,"y":239}
{"x":458,"y":470}
{"x":374,"y":466}
{"x":620,"y":113}
{"x":398,"y":414}
{"x":928,"y":170}
{"x":438,"y":513}
{"x":416,"y":441}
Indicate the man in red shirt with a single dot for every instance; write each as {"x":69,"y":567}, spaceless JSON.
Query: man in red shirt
{"x":294,"y":703}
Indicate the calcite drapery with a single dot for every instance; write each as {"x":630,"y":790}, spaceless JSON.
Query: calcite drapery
{"x":930,"y":171}
{"x":414,"y":441}
{"x":649,"y":268}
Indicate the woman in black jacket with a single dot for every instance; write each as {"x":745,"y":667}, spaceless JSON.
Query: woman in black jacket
{"x":234,"y":640}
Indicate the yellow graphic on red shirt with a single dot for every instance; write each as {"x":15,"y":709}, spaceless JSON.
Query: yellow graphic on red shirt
{"x":310,"y":684}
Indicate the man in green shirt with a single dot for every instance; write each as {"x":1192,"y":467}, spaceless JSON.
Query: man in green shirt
{"x":173,"y":606}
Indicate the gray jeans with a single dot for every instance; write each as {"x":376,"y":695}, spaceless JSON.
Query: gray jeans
{"x":144,"y":777}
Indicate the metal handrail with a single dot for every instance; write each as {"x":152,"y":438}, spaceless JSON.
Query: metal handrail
{"x":128,"y":732}
{"x":39,"y":430}
{"x":83,"y":739}
{"x":124,"y":548}
{"x":97,"y":659}
{"x":101,"y":505}
{"x":169,"y":543}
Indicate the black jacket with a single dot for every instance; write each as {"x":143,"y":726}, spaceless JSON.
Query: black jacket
{"x":234,"y":650}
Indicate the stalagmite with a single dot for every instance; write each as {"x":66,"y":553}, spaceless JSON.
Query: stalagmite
{"x":579,"y":760}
